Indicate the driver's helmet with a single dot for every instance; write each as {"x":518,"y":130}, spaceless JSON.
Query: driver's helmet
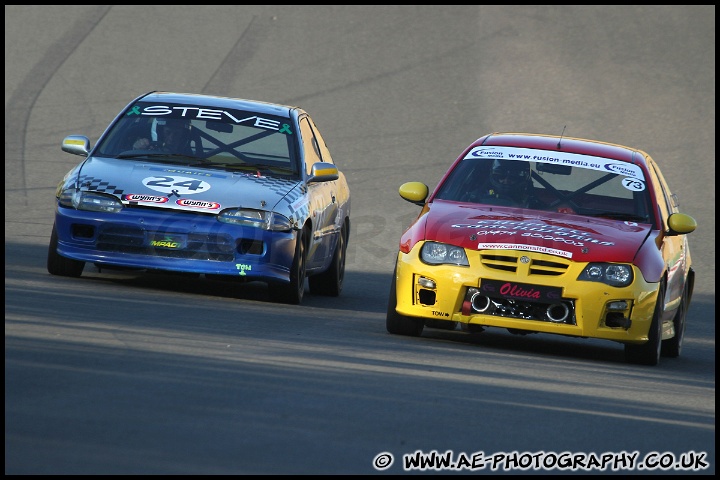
{"x":511,"y":177}
{"x":171,"y":132}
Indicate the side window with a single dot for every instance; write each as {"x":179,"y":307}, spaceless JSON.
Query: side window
{"x":324,"y":152}
{"x":662,"y":196}
{"x":670,"y":198}
{"x":311,"y":150}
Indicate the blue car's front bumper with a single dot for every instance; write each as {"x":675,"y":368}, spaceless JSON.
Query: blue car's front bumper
{"x":174,"y":241}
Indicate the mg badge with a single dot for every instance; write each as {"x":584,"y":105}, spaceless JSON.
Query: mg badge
{"x":524,"y":259}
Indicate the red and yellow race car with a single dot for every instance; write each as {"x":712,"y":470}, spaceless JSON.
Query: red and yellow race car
{"x":540,"y":233}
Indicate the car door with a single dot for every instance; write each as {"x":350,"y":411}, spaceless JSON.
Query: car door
{"x":673,"y":247}
{"x":321,"y":196}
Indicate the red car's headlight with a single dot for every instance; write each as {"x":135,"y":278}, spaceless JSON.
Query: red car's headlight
{"x":613,"y":274}
{"x":436,"y":253}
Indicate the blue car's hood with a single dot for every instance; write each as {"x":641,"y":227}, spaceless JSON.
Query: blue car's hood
{"x":163,"y":185}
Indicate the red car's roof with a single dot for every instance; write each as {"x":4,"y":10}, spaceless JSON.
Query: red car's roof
{"x":567,"y":144}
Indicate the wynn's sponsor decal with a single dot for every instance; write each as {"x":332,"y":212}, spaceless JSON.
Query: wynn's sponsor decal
{"x":186,"y":202}
{"x":138,"y":197}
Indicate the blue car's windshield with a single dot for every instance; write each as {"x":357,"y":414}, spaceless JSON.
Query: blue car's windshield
{"x":230,"y":140}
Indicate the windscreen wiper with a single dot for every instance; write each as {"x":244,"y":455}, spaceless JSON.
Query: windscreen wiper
{"x":619,"y":216}
{"x":251,"y":167}
{"x":168,"y":156}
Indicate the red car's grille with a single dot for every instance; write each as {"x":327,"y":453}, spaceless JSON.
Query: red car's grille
{"x":511,"y":263}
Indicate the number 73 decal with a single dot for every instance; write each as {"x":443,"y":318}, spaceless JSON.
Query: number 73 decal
{"x":633,"y":184}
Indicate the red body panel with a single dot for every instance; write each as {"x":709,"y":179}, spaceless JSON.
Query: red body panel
{"x":478,"y":227}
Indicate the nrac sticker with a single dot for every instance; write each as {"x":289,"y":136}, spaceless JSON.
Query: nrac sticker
{"x":165,"y":244}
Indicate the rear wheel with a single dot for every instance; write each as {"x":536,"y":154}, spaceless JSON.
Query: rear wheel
{"x":292,"y":293}
{"x":400,"y":324}
{"x":672,"y":347}
{"x":59,"y":265}
{"x":649,"y":352}
{"x":330,"y":282}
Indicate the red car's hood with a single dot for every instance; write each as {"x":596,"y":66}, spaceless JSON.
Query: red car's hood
{"x":481,"y":227}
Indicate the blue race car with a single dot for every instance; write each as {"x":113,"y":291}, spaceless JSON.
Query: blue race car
{"x":206,"y":185}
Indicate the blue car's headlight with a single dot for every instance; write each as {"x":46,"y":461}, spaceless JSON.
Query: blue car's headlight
{"x":250,"y":217}
{"x":613,"y":274}
{"x":89,"y":201}
{"x":436,"y":253}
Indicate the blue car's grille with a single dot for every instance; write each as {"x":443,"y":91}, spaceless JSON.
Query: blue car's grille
{"x":135,"y":240}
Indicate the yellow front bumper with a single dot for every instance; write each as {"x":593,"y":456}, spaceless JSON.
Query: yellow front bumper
{"x":591,"y":299}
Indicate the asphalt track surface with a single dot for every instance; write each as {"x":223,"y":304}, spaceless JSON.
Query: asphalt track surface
{"x":133,"y":374}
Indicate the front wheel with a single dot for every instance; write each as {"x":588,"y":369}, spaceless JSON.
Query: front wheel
{"x":59,"y":265}
{"x":649,"y":352}
{"x":672,"y":347}
{"x":398,"y":324}
{"x":330,"y":282}
{"x":292,"y":293}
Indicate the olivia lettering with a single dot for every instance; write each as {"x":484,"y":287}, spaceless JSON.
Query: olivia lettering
{"x":510,"y":290}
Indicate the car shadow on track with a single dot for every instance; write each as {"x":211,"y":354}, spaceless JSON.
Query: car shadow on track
{"x":365,"y":292}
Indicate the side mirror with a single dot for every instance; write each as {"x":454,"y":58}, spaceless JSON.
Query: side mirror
{"x":323,"y":172}
{"x":414,"y":192}
{"x":680,"y":224}
{"x":76,"y":144}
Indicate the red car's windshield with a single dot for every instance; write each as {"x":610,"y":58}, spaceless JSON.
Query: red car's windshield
{"x":590,"y":189}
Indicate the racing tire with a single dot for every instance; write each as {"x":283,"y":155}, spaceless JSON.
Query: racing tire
{"x":292,"y":293}
{"x":330,"y":282}
{"x":59,"y":265}
{"x":672,"y":347}
{"x":398,"y":324}
{"x":649,"y":352}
